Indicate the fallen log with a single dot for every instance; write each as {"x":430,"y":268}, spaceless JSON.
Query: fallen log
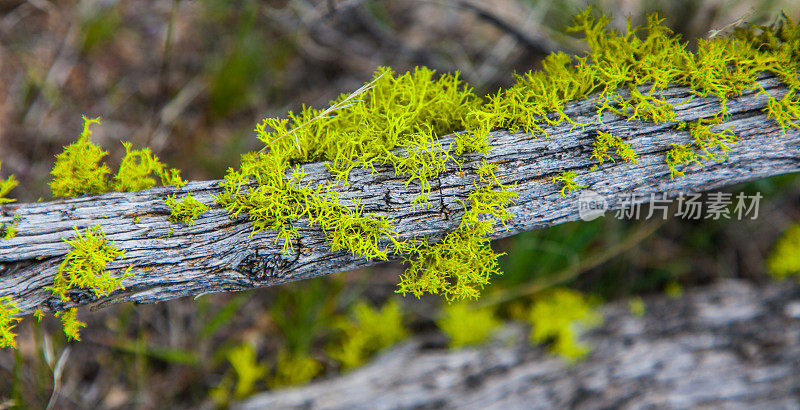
{"x":730,"y":344}
{"x":219,"y":253}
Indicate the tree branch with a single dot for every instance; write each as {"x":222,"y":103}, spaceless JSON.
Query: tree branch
{"x":219,"y":254}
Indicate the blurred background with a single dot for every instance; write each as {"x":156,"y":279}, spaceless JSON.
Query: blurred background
{"x":190,"y":79}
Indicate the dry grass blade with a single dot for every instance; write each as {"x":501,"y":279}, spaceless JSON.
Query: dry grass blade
{"x":330,"y":111}
{"x":741,"y":20}
{"x":57,"y":372}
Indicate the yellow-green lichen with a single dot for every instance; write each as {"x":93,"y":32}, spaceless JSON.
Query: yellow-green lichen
{"x":557,"y":316}
{"x":398,"y":120}
{"x":186,"y":210}
{"x":137,"y":169}
{"x":78,"y":169}
{"x":8,"y":310}
{"x":85,"y":264}
{"x":785,"y":111}
{"x":605,"y":142}
{"x":406,"y":112}
{"x":6,"y":185}
{"x":9,"y":230}
{"x":467,"y":326}
{"x":293,"y":369}
{"x":784,"y":260}
{"x":637,"y":306}
{"x":567,"y":180}
{"x":366,"y":332}
{"x":72,"y":326}
{"x":248,"y":370}
{"x":461,"y":264}
{"x":681,"y":155}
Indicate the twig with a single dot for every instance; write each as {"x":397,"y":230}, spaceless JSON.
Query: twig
{"x":573,"y":270}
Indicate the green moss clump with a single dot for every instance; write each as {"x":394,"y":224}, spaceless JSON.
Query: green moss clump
{"x":368,"y":331}
{"x":466,"y":326}
{"x":78,"y":169}
{"x":713,"y":145}
{"x":784,"y":260}
{"x":8,"y":310}
{"x":185,"y":210}
{"x":556,"y":317}
{"x":457,"y":267}
{"x":84,"y":266}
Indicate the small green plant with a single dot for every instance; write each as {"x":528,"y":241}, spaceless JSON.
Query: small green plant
{"x":673,"y":290}
{"x":368,"y":331}
{"x":100,"y":26}
{"x":84,"y":266}
{"x":637,"y":306}
{"x":293,"y":369}
{"x":7,"y":322}
{"x":185,"y":210}
{"x":784,"y":261}
{"x":556,"y":317}
{"x":246,"y":375}
{"x":467,"y":326}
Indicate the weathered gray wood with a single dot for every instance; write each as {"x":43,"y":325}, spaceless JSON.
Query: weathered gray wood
{"x":218,"y":253}
{"x":728,"y":345}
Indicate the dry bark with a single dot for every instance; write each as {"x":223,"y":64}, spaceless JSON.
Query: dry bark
{"x":219,"y":254}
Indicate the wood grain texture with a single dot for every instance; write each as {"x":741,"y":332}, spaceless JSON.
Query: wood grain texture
{"x":219,"y":254}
